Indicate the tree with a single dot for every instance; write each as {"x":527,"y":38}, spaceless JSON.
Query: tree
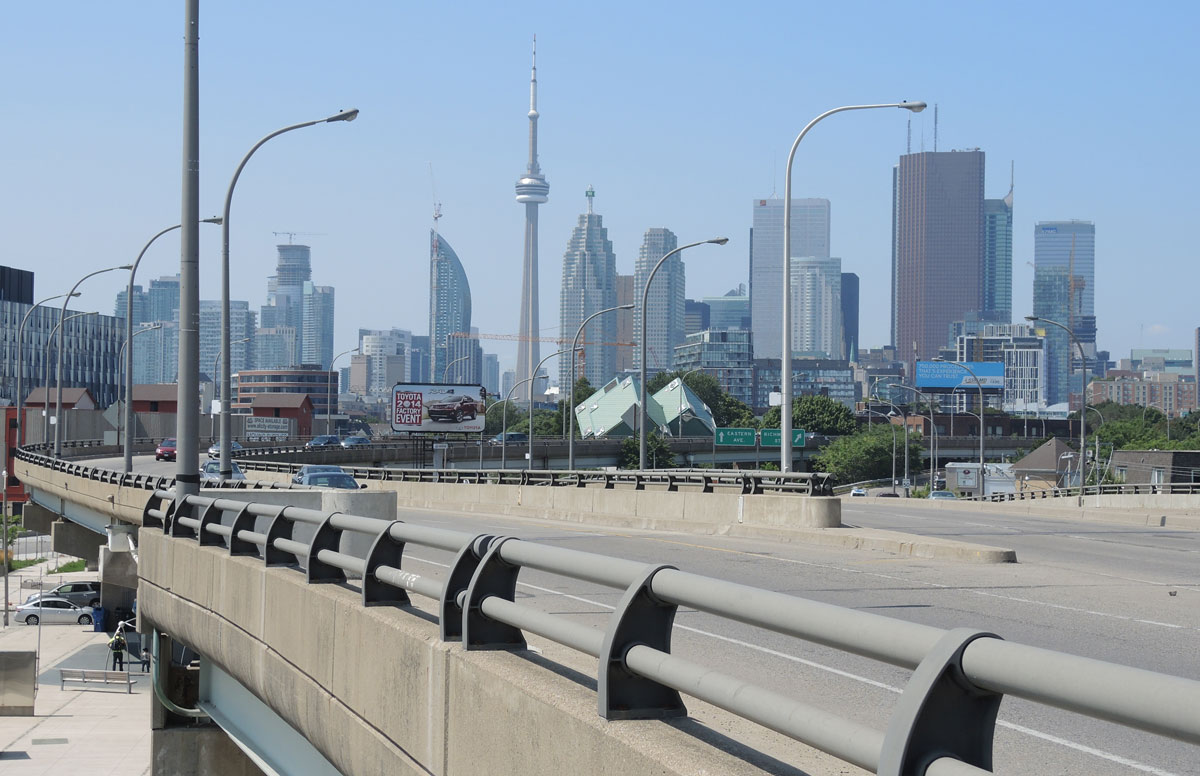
{"x":867,"y":455}
{"x":816,"y":415}
{"x":583,"y":390}
{"x":658,"y":453}
{"x":495,"y":418}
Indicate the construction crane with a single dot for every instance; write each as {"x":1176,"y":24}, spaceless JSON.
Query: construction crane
{"x":521,"y":338}
{"x":291,"y":235}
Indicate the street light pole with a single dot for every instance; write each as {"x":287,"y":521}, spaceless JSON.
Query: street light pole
{"x":216,"y":385}
{"x":1083,"y":395}
{"x":504,"y":422}
{"x":46,"y":380}
{"x":893,"y":425}
{"x":643,"y":414}
{"x":532,"y":386}
{"x":20,"y":372}
{"x":226,"y":465}
{"x":933,"y":431}
{"x":446,"y":371}
{"x":785,"y":428}
{"x":329,"y":389}
{"x":571,"y":387}
{"x":62,"y":315}
{"x":127,"y":437}
{"x":979,"y":385}
{"x":904,"y":419}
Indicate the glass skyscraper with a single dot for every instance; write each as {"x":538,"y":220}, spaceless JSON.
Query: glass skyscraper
{"x":996,"y":305}
{"x":449,"y":306}
{"x":810,"y":237}
{"x":1064,"y":290}
{"x":589,"y":284}
{"x":817,"y":307}
{"x":664,"y":304}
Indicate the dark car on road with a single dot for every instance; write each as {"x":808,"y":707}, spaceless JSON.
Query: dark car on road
{"x":324,"y":440}
{"x":315,"y":468}
{"x":234,"y":448}
{"x":355,"y":441}
{"x":339,"y":480}
{"x":165,"y":450}
{"x":509,"y":437}
{"x":456,"y":409}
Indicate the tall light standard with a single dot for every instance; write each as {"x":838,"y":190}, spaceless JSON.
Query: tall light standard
{"x":58,"y":410}
{"x":1083,"y":398}
{"x":58,"y":327}
{"x":1096,"y":455}
{"x":127,"y":437}
{"x":20,"y":387}
{"x":785,"y":427}
{"x":643,"y":415}
{"x":504,"y":422}
{"x":222,"y":399}
{"x":129,"y":335}
{"x":329,"y":388}
{"x":571,"y":387}
{"x":979,"y":385}
{"x":933,"y":431}
{"x":446,"y":371}
{"x":893,"y":425}
{"x":679,"y":415}
{"x":346,"y":115}
{"x":533,"y":385}
{"x":904,"y":419}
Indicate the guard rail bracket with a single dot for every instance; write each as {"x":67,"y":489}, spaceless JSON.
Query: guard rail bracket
{"x":492,"y":577}
{"x":385,"y":551}
{"x":326,"y":538}
{"x":281,"y":528}
{"x":450,"y":615}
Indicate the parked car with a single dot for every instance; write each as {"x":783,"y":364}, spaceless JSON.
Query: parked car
{"x":456,"y":409}
{"x":234,"y":448}
{"x":53,"y":610}
{"x":355,"y":441}
{"x":314,"y":468}
{"x":78,"y":593}
{"x":165,"y":450}
{"x":324,"y":440}
{"x":943,"y":495}
{"x":858,"y":492}
{"x":509,"y":437}
{"x":339,"y":479}
{"x":211,"y":472}
{"x":889,"y":494}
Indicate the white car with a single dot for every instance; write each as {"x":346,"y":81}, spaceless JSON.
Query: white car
{"x":53,"y":610}
{"x":211,"y":472}
{"x":858,"y":492}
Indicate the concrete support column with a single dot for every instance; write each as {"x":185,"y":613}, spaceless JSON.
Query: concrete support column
{"x":71,"y":539}
{"x":37,"y":518}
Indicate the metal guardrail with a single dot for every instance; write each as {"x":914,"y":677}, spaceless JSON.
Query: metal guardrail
{"x":1144,"y":489}
{"x":943,"y":724}
{"x":136,"y":480}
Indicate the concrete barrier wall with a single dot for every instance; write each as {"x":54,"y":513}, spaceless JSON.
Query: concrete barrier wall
{"x":1171,"y":511}
{"x":375,"y":691}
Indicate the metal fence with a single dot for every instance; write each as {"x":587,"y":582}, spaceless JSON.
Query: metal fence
{"x":138,"y":480}
{"x":1143,"y":489}
{"x":943,"y":724}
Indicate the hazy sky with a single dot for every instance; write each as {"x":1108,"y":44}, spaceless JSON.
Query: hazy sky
{"x":678,"y":114}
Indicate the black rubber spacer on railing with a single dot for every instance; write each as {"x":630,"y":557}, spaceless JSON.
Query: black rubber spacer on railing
{"x":326,"y":538}
{"x":281,"y":528}
{"x":210,"y":515}
{"x":450,"y":616}
{"x":183,"y":508}
{"x":385,"y":551}
{"x":493,"y":577}
{"x":242,"y":521}
{"x":940,"y":713}
{"x":639,"y":618}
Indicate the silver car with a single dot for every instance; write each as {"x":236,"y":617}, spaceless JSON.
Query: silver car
{"x":53,"y":610}
{"x":78,"y":593}
{"x":211,"y":472}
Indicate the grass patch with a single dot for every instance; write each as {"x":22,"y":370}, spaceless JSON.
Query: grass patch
{"x":67,"y":568}
{"x":17,"y":565}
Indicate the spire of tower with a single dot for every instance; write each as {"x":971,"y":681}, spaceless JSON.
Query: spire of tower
{"x":533,"y":114}
{"x":590,"y":194}
{"x":1012,"y":174}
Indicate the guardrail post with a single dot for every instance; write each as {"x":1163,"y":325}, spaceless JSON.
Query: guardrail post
{"x":493,"y":577}
{"x":149,"y":521}
{"x":281,"y":528}
{"x":940,"y":713}
{"x":450,"y":617}
{"x":640,"y":618}
{"x":242,"y":521}
{"x":326,"y":538}
{"x":183,"y":508}
{"x":211,"y":514}
{"x":385,"y":551}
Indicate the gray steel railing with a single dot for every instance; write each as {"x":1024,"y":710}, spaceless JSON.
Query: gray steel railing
{"x":138,"y":481}
{"x":1112,"y":489}
{"x":943,"y":724}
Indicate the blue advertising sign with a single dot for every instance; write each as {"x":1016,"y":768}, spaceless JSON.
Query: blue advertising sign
{"x":948,"y":374}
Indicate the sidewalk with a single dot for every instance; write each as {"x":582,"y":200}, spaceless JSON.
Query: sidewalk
{"x":95,"y":731}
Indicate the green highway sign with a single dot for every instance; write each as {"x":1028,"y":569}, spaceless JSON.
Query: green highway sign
{"x":770,"y":437}
{"x":735,"y":437}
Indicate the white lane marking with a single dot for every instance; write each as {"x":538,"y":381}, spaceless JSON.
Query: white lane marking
{"x":1100,"y":753}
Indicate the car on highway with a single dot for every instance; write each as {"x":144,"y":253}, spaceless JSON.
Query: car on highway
{"x":78,"y":593}
{"x":324,"y":440}
{"x":165,"y":450}
{"x":211,"y":472}
{"x":339,"y":480}
{"x":455,"y":409}
{"x":234,"y":448}
{"x":53,"y":610}
{"x":313,"y":468}
{"x":889,"y":494}
{"x":858,"y":492}
{"x":509,"y":437}
{"x":355,"y":441}
{"x":943,"y":495}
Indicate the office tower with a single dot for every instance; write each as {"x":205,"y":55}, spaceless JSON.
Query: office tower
{"x":491,"y":373}
{"x":937,"y":248}
{"x":317,"y":331}
{"x":162,"y":299}
{"x":285,"y":294}
{"x":156,"y":356}
{"x":532,"y":190}
{"x":664,"y":303}
{"x":1196,"y":354}
{"x":507,"y":380}
{"x":91,"y":345}
{"x":996,"y":305}
{"x":1064,"y":290}
{"x":1021,"y":350}
{"x":418,"y":364}
{"x":810,"y":237}
{"x":816,"y":307}
{"x":849,"y":316}
{"x":727,"y":355}
{"x":589,"y":284}
{"x":140,"y":305}
{"x":16,"y":285}
{"x":243,"y":325}
{"x":731,"y":311}
{"x":449,"y":306}
{"x":386,"y":358}
{"x":624,"y":350}
{"x":696,"y":316}
{"x":274,"y":347}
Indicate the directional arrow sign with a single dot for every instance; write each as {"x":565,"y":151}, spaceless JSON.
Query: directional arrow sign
{"x":735,"y":437}
{"x":770,"y":437}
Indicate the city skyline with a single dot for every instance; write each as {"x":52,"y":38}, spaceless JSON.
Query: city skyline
{"x":364,"y":187}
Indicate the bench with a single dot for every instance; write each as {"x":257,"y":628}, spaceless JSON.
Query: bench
{"x":89,"y":676}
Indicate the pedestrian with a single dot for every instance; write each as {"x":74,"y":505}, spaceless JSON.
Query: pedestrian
{"x":117,"y":645}
{"x":145,"y":660}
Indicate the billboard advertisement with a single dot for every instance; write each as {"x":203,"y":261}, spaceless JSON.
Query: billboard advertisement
{"x":438,"y":408}
{"x":948,"y":375}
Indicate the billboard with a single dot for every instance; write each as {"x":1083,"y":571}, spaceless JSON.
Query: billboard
{"x":949,"y":375}
{"x":259,"y":428}
{"x":438,"y":408}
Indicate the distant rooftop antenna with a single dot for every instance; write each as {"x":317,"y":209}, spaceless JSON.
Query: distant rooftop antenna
{"x":935,"y":127}
{"x":590,"y":194}
{"x":437,"y":206}
{"x":291,"y":235}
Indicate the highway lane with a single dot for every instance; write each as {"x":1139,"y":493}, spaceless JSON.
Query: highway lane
{"x":1091,"y":589}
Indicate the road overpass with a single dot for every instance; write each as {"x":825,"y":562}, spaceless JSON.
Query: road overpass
{"x":225,"y":605}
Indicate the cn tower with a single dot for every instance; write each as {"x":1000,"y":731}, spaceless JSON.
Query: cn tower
{"x":532,"y":190}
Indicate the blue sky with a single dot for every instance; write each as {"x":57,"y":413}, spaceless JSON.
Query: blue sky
{"x":678,"y":114}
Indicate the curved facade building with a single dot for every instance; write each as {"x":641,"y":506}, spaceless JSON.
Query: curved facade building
{"x":449,"y":308}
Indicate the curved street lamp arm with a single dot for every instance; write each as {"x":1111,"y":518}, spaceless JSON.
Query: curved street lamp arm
{"x":571,"y":387}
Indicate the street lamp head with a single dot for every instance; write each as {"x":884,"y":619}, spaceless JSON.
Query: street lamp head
{"x":915,"y":107}
{"x":1032,"y":318}
{"x":346,"y":115}
{"x":719,"y":240}
{"x":125,"y":266}
{"x":214,"y":220}
{"x":625,"y":307}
